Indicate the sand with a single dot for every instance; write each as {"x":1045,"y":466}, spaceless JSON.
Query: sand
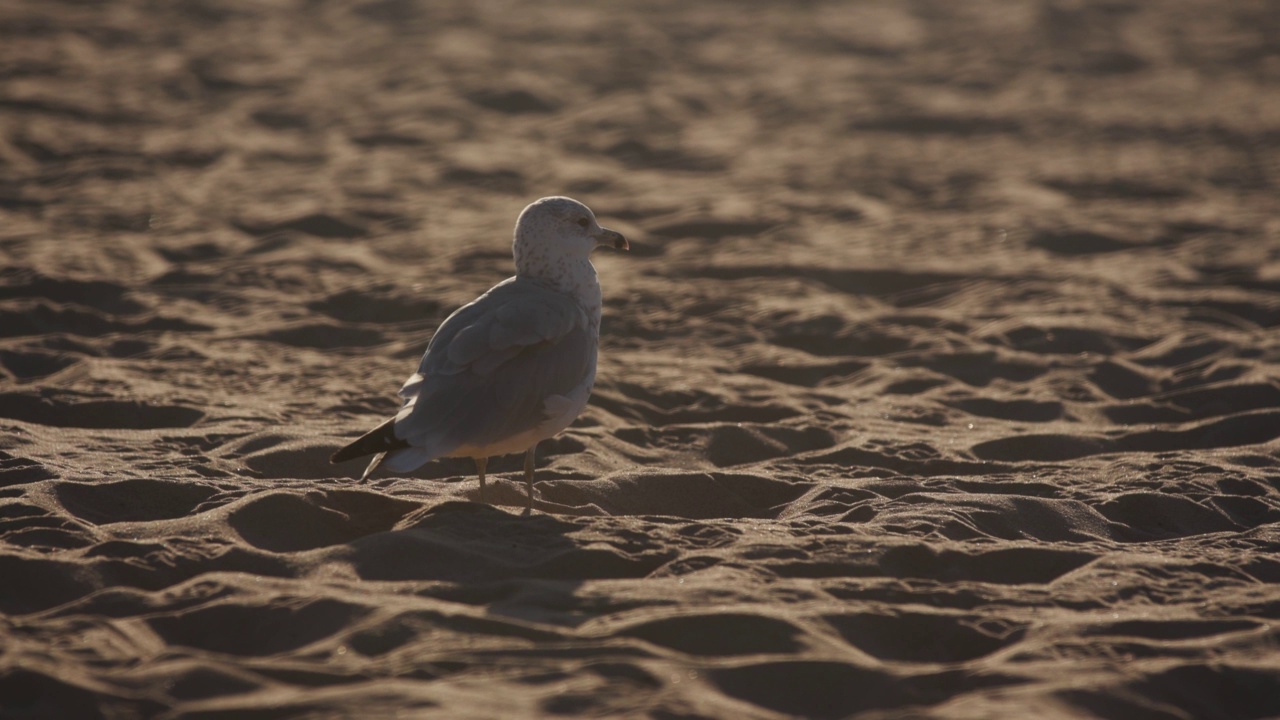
{"x":940,"y":382}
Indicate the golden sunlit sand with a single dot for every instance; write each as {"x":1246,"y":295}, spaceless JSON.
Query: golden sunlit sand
{"x":940,"y":380}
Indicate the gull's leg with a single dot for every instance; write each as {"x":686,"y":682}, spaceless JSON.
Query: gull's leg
{"x":481,"y":462}
{"x":528,"y":478}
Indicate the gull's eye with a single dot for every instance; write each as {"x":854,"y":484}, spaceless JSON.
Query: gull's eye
{"x":582,"y":222}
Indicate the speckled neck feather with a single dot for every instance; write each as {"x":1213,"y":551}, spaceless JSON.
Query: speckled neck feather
{"x":548,"y":248}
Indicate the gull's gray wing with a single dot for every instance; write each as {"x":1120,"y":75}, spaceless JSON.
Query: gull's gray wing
{"x":492,"y":364}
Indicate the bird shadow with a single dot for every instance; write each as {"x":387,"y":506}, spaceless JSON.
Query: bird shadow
{"x":465,"y":542}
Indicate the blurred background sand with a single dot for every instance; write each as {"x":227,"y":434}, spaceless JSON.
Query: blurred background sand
{"x":941,"y":380}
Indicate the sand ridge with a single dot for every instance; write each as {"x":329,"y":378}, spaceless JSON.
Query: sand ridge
{"x":941,"y":380}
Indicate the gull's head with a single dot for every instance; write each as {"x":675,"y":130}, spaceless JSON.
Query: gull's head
{"x":555,"y":228}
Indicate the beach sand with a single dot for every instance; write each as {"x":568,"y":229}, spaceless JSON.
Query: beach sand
{"x":941,"y":380}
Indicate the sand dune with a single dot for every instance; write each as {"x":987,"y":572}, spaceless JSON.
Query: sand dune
{"x":941,"y":381}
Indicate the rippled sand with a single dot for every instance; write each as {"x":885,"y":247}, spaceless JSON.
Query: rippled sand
{"x":941,"y":380}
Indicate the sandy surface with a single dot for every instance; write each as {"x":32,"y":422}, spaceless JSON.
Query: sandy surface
{"x":941,"y":381}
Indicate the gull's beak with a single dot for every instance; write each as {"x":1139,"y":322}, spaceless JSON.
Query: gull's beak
{"x":613,"y":239}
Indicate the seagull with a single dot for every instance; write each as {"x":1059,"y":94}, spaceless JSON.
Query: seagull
{"x":512,"y":368}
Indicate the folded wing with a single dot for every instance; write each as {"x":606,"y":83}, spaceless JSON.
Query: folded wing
{"x":492,"y":365}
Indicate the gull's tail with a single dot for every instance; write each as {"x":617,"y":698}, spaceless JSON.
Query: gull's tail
{"x":378,"y":441}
